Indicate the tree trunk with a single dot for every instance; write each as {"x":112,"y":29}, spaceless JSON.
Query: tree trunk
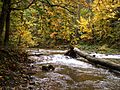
{"x":2,"y":19}
{"x":79,"y":14}
{"x":99,"y":61}
{"x":6,"y":40}
{"x":3,"y":16}
{"x":78,"y":18}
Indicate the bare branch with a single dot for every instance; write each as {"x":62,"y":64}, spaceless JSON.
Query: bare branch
{"x":25,"y":7}
{"x":64,"y":7}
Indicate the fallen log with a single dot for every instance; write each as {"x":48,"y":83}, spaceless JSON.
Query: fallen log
{"x":98,"y":61}
{"x":34,"y":54}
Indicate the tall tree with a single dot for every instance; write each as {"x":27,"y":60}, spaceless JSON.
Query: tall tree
{"x":6,"y":39}
{"x":5,"y":16}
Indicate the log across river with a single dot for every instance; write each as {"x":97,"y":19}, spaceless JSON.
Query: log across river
{"x":99,"y":61}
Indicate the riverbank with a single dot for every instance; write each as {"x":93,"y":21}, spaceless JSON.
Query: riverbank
{"x":14,"y":68}
{"x":100,"y":48}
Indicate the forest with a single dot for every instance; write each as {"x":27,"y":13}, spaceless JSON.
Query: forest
{"x":90,"y":25}
{"x":38,"y":23}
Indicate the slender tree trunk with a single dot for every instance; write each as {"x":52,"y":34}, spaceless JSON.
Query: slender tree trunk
{"x":7,"y":27}
{"x":78,"y":18}
{"x":3,"y":18}
{"x":6,"y":40}
{"x":77,"y":35}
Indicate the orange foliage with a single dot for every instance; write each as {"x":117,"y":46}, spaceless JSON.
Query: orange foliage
{"x":53,"y":35}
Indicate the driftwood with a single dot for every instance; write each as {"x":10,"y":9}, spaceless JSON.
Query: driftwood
{"x":98,"y":61}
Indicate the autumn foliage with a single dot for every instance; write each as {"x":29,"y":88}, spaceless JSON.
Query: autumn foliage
{"x":47,"y":22}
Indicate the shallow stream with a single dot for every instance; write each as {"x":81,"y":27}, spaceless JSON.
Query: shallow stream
{"x":70,"y":74}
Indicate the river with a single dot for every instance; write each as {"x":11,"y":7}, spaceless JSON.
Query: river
{"x":70,"y":74}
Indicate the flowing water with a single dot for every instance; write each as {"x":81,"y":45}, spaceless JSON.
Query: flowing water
{"x":71,"y":74}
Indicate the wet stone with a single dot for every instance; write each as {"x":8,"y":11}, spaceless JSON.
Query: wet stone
{"x":32,"y":83}
{"x":31,"y":88}
{"x":25,"y":80}
{"x":24,"y":85}
{"x":31,"y":77}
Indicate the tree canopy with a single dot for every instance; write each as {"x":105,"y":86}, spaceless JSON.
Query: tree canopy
{"x":29,"y":23}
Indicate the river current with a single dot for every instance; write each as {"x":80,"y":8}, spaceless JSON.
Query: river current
{"x":71,"y":74}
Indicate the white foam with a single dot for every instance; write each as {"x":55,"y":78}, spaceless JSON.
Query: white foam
{"x":64,"y":60}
